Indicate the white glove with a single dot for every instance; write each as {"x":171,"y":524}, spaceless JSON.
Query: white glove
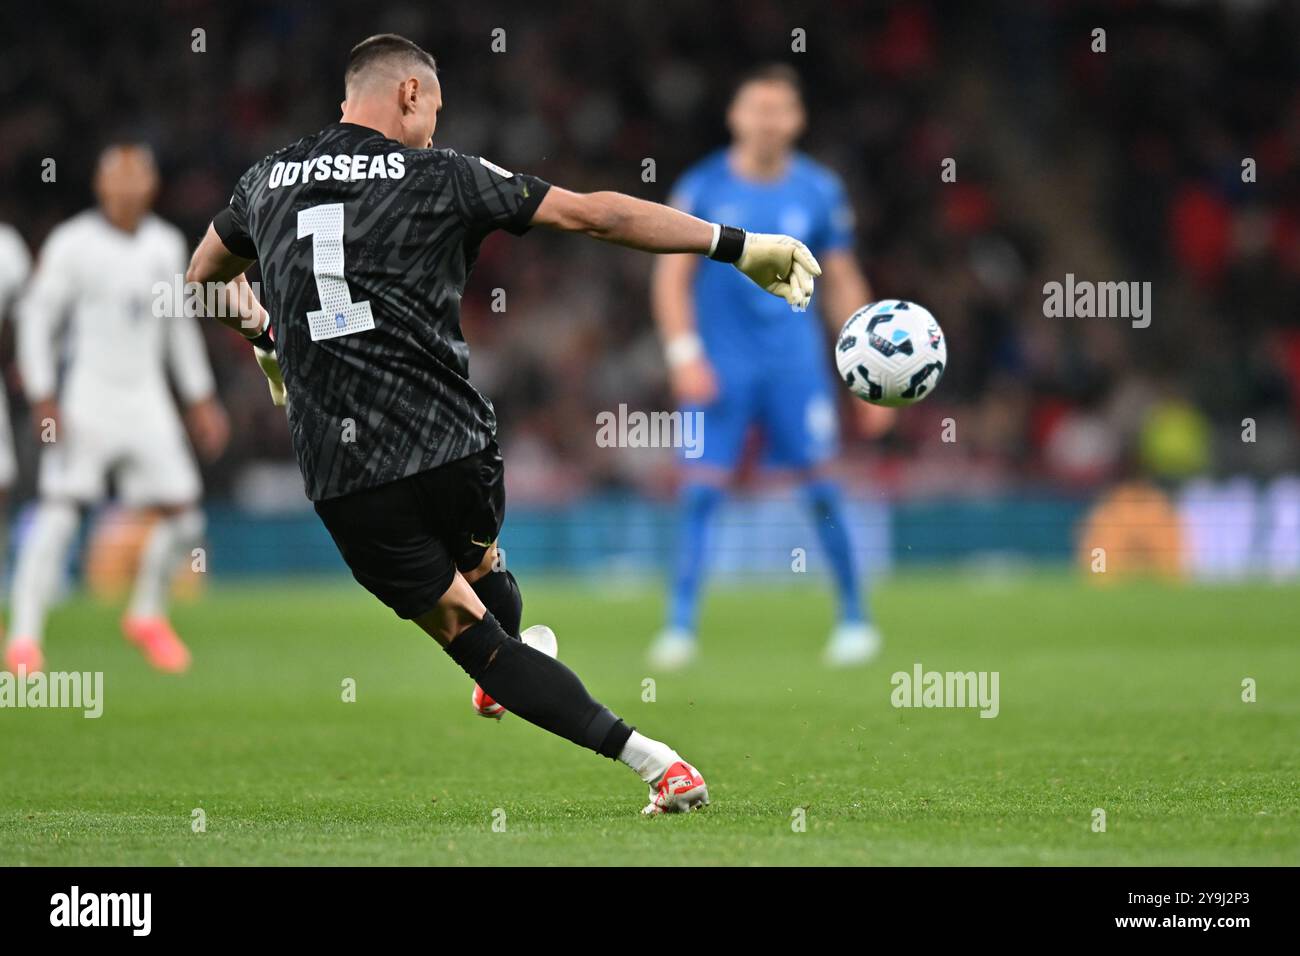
{"x":780,"y":264}
{"x":271,"y":369}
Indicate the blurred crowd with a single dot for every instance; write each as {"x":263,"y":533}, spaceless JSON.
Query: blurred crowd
{"x":1127,"y":163}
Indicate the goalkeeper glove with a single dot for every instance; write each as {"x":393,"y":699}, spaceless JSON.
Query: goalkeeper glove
{"x":264,"y":351}
{"x":271,"y":369}
{"x":781,"y":265}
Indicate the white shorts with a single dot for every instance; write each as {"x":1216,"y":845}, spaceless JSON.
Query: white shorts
{"x":8,"y":464}
{"x":143,"y":447}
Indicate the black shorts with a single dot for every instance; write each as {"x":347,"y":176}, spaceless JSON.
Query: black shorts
{"x":405,"y":540}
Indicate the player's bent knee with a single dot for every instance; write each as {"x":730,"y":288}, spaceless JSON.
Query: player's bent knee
{"x":457,"y":609}
{"x":485,"y":566}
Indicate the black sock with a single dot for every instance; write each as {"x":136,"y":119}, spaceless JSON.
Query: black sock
{"x":537,"y":688}
{"x":499,"y":592}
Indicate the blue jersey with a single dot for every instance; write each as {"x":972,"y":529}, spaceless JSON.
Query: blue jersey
{"x":740,"y":323}
{"x":772,"y":363}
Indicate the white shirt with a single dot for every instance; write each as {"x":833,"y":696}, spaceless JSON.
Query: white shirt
{"x":99,"y":286}
{"x":15,"y":263}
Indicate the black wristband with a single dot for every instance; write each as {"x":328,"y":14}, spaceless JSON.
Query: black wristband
{"x":264,"y":340}
{"x":731,"y":243}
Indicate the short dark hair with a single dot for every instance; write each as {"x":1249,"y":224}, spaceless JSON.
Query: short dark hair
{"x":382,"y":47}
{"x":772,"y":73}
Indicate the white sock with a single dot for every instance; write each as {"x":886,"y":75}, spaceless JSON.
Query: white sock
{"x":649,"y":758}
{"x":40,"y":567}
{"x":171,"y":538}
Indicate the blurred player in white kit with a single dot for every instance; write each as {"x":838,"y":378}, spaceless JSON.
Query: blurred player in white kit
{"x":15,"y":264}
{"x":91,"y":308}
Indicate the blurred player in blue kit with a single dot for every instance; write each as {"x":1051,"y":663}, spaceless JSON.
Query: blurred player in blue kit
{"x":744,"y":359}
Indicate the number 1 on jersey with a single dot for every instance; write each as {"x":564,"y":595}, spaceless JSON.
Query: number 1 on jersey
{"x":338,"y":314}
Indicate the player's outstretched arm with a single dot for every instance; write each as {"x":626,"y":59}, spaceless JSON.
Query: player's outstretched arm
{"x":780,"y":264}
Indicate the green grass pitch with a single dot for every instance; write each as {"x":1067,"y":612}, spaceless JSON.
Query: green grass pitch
{"x":1127,"y":699}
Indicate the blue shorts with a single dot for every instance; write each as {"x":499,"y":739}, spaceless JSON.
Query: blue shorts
{"x":794,"y":410}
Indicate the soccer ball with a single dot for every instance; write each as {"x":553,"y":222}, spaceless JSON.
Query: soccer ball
{"x":891,"y":353}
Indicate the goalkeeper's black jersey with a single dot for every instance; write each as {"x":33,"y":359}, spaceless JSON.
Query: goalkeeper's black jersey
{"x":365,"y":246}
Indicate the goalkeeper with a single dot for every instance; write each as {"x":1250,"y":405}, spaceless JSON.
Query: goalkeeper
{"x":365,"y":237}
